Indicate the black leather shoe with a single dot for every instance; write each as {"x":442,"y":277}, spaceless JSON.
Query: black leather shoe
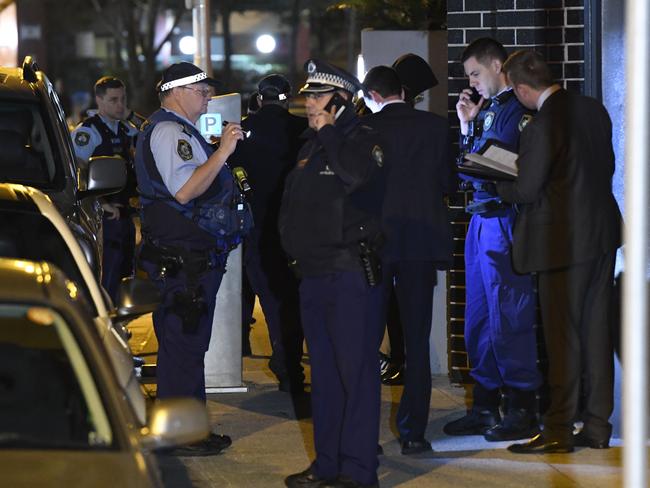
{"x":540,"y":445}
{"x":581,"y":440}
{"x":416,"y":447}
{"x":213,"y":445}
{"x":475,"y":422}
{"x":394,"y":375}
{"x":305,"y":479}
{"x":517,"y":424}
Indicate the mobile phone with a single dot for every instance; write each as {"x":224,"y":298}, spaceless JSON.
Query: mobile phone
{"x":336,"y":101}
{"x":475,"y":97}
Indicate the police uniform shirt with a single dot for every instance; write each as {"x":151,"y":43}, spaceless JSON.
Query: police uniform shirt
{"x":176,"y":152}
{"x":86,"y":139}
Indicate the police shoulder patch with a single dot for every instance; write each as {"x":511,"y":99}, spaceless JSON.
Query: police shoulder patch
{"x":82,"y":138}
{"x":487,"y":121}
{"x":184,"y":150}
{"x":524,"y":121}
{"x":378,"y":155}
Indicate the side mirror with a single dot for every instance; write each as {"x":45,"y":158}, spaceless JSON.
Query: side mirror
{"x":136,"y":296}
{"x":174,"y":422}
{"x":105,"y":175}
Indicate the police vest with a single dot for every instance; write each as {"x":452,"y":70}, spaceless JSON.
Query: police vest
{"x":220,"y":211}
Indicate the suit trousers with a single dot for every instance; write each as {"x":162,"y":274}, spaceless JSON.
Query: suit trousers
{"x":576,"y":304}
{"x":500,"y":308}
{"x":341,"y":316}
{"x":413,"y":282}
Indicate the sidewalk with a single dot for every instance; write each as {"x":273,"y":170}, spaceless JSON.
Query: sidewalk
{"x":269,"y":443}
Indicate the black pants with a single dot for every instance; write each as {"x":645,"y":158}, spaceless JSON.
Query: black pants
{"x":576,"y":306}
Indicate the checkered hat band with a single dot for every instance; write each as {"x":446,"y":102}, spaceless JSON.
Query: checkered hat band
{"x":330,"y":79}
{"x":188,"y":80}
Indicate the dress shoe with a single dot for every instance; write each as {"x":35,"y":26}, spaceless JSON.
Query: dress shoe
{"x":581,"y":440}
{"x":306,"y":479}
{"x":394,"y":375}
{"x":517,"y":424}
{"x":416,"y":447}
{"x":211,"y":446}
{"x":384,"y":363}
{"x":540,"y":445}
{"x":475,"y":422}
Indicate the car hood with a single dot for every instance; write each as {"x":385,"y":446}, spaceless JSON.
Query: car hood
{"x":52,"y":468}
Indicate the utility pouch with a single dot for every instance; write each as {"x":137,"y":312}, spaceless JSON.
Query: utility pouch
{"x":370,"y":262}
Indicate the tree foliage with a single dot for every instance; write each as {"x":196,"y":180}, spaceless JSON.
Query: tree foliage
{"x":400,"y":14}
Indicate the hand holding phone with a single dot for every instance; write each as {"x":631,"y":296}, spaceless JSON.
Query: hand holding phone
{"x":336,"y":101}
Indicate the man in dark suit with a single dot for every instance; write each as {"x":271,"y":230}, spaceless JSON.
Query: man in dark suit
{"x":417,"y":230}
{"x":268,"y":154}
{"x":567,"y":230}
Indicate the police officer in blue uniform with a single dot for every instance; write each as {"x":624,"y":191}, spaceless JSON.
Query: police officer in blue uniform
{"x":105,"y":133}
{"x":267,"y":156}
{"x":330,"y":225}
{"x":418,"y":232}
{"x":192,"y":216}
{"x":500,"y":311}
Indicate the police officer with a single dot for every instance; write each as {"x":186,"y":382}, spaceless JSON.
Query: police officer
{"x":418,"y":232}
{"x":267,"y":156}
{"x":330,"y":225}
{"x":105,"y":133}
{"x":190,"y":204}
{"x":500,"y":303}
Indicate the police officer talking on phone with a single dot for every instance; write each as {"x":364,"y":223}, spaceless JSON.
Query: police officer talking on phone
{"x":330,"y":225}
{"x":191,"y":219}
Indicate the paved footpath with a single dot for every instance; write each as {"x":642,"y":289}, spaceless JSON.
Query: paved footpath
{"x":272,"y":438}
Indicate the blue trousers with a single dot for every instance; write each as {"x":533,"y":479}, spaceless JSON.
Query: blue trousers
{"x":119,"y":247}
{"x":180,"y":369}
{"x":414,"y":282}
{"x":341,"y":317}
{"x":500,"y":307}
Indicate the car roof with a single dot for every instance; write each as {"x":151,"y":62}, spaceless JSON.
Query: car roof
{"x":14,"y":85}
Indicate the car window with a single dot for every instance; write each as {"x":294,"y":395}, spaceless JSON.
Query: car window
{"x":28,"y":155}
{"x":31,"y":236}
{"x":48,"y":395}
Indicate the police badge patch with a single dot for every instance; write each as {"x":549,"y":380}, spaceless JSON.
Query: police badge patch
{"x":184,"y":150}
{"x":487,"y":121}
{"x":524,"y":121}
{"x":82,"y":138}
{"x":378,"y":155}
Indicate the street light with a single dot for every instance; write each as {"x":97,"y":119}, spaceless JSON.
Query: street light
{"x":187,"y":45}
{"x":265,"y":44}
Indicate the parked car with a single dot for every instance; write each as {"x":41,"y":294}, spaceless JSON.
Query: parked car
{"x":37,"y":151}
{"x":64,"y":420}
{"x":31,"y":228}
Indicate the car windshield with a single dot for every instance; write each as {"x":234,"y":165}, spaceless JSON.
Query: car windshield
{"x":27,"y":155}
{"x":48,"y":396}
{"x":31,"y":236}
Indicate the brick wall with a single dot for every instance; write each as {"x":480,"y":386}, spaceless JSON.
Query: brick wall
{"x":555,"y":28}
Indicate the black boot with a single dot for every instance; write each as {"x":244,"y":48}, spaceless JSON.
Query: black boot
{"x":482,"y":416}
{"x":520,"y":421}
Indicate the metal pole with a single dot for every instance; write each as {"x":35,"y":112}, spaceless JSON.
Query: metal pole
{"x":201,"y":29}
{"x":635,"y":311}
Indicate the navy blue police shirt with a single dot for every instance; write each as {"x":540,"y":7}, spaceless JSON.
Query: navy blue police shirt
{"x":502,"y":119}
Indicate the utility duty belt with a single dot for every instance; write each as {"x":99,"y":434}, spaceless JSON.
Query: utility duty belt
{"x":482,"y":207}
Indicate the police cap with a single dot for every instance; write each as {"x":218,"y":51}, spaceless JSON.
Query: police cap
{"x":274,"y":87}
{"x":323,"y":77}
{"x":181,"y":74}
{"x":415,"y":74}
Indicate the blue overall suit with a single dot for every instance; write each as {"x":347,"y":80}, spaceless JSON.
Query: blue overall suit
{"x":192,"y":258}
{"x":500,"y":303}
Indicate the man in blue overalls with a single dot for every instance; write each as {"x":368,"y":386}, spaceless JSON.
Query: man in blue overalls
{"x":105,"y":133}
{"x":330,"y":223}
{"x":500,"y":311}
{"x":190,"y":221}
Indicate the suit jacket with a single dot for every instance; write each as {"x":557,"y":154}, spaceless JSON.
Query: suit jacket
{"x":568,"y":213}
{"x":419,"y":172}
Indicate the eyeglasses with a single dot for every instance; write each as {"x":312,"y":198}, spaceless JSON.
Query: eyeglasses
{"x":205,"y":92}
